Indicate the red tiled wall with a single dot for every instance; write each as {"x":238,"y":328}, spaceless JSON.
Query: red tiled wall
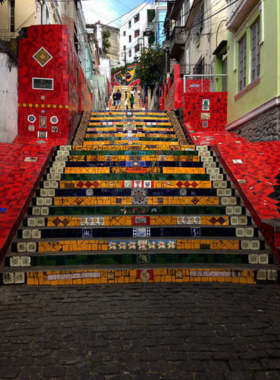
{"x":197,"y":85}
{"x":85,"y":102}
{"x":193,"y":114}
{"x":62,"y":101}
{"x":19,"y":177}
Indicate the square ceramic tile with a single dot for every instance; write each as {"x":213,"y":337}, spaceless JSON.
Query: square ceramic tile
{"x":43,"y":192}
{"x":261,"y":274}
{"x":25,"y":261}
{"x":8,"y":278}
{"x":239,"y":232}
{"x":26,"y":234}
{"x":224,"y":201}
{"x":253,"y":258}
{"x":32,"y":222}
{"x":245,"y":244}
{"x":40,"y":201}
{"x":19,"y":278}
{"x":36,"y":234}
{"x":243,"y":220}
{"x":229,"y":210}
{"x":232,"y":201}
{"x":44,"y":211}
{"x":237,"y":210}
{"x":51,"y":192}
{"x":31,"y":247}
{"x":234,"y":220}
{"x":21,"y":247}
{"x":255,"y":244}
{"x":272,"y":275}
{"x":263,"y":258}
{"x":40,"y":222}
{"x":15,"y":261}
{"x":249,"y":232}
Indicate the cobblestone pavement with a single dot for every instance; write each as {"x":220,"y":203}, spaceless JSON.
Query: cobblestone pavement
{"x":140,"y":332}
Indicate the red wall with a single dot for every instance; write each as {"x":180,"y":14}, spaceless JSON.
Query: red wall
{"x":85,"y":101}
{"x":216,"y":116}
{"x":62,"y":100}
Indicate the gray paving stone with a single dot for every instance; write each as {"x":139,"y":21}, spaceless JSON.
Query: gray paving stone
{"x":108,"y":368}
{"x":54,"y":371}
{"x":9,"y":372}
{"x":137,"y":332}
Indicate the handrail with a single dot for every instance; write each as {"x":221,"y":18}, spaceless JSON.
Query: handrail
{"x":200,"y":76}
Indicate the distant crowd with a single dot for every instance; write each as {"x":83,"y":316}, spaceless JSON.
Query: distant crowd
{"x":128,"y":98}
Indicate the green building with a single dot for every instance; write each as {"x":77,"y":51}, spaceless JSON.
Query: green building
{"x":253,"y":68}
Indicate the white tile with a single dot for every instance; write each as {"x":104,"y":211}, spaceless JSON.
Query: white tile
{"x":263,"y":258}
{"x":15,"y":261}
{"x":253,"y":258}
{"x":36,"y":234}
{"x":261,"y":274}
{"x":272,"y":275}
{"x":8,"y":278}
{"x":25,"y":261}
{"x":19,"y":278}
{"x":255,"y":244}
{"x":31,"y":247}
{"x":26,"y":234}
{"x":40,"y":201}
{"x":245,"y":244}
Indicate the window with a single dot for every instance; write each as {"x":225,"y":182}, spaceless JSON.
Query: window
{"x":129,"y":53}
{"x":202,"y":17}
{"x":129,"y":24}
{"x":136,"y":33}
{"x":137,"y":17}
{"x":242,"y":64}
{"x":124,"y":33}
{"x":137,"y":48}
{"x":124,"y":47}
{"x":255,"y":50}
{"x":129,"y":39}
{"x":12,"y":15}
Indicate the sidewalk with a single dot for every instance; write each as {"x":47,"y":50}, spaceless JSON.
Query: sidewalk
{"x":140,"y":332}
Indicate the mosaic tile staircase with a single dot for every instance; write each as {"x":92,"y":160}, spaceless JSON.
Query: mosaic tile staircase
{"x":136,"y":105}
{"x":135,"y":202}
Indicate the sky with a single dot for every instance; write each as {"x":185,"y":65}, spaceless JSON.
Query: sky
{"x":107,"y":10}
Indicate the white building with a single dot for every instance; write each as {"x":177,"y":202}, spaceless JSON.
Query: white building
{"x":133,"y":25}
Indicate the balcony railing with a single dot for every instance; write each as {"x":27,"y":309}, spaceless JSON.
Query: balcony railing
{"x":178,"y":40}
{"x":205,"y":83}
{"x":193,"y":69}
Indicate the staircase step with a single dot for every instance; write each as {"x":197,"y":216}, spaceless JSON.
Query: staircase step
{"x":134,"y":201}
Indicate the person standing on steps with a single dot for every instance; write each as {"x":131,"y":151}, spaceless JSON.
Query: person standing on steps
{"x":118,"y":99}
{"x":131,"y":101}
{"x":126,"y":99}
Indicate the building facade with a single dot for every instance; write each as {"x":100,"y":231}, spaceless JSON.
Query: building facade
{"x":16,"y":15}
{"x":132,"y":40}
{"x":254,"y":69}
{"x":196,"y":29}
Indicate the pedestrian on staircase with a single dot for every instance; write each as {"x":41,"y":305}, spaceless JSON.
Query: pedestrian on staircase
{"x":126,"y":99}
{"x":131,"y":101}
{"x":118,"y":99}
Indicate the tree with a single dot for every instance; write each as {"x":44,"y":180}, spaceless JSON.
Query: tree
{"x":150,"y":65}
{"x":105,"y":41}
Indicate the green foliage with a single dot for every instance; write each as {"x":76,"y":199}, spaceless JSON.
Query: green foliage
{"x":105,"y":41}
{"x":116,"y":69}
{"x":150,"y":65}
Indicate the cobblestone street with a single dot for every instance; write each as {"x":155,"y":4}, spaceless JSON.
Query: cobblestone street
{"x":140,"y":332}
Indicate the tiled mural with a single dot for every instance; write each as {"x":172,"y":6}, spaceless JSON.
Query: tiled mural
{"x":48,"y":75}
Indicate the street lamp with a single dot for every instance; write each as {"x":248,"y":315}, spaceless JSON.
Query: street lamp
{"x":148,"y":32}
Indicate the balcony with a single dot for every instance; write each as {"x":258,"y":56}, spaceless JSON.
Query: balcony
{"x":178,"y":40}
